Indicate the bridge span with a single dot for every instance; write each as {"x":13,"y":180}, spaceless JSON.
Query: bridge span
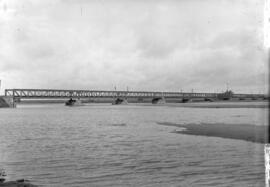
{"x":54,"y":93}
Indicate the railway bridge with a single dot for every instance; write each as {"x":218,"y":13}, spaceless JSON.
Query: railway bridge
{"x":155,"y":97}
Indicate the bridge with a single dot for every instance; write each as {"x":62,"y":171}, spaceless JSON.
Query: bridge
{"x":155,"y":96}
{"x":49,"y":93}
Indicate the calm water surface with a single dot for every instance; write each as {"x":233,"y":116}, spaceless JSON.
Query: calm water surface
{"x":106,"y":145}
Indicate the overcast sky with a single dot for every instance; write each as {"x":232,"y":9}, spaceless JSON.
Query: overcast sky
{"x":145,"y":45}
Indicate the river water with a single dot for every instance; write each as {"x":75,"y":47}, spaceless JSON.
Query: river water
{"x":108,"y":145}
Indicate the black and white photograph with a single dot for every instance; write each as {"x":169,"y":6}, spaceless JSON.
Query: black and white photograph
{"x":124,"y":93}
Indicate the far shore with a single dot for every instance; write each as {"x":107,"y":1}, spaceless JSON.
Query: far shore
{"x":223,"y":104}
{"x":252,"y":133}
{"x":194,"y":104}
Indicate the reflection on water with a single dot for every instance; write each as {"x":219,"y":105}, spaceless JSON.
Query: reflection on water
{"x":105,"y":145}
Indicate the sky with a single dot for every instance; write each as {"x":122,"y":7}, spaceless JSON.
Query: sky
{"x":145,"y":45}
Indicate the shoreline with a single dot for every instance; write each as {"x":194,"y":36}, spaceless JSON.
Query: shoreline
{"x":224,"y":105}
{"x":251,"y":133}
{"x":17,"y":183}
{"x":215,"y":104}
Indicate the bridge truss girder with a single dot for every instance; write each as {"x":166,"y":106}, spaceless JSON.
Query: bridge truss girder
{"x":48,"y":93}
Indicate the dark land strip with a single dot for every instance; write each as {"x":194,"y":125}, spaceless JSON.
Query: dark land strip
{"x":250,"y":133}
{"x":221,"y":105}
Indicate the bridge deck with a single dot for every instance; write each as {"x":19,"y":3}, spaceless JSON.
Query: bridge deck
{"x":53,"y":93}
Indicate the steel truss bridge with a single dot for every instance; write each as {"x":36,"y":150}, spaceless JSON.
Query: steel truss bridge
{"x":53,"y":93}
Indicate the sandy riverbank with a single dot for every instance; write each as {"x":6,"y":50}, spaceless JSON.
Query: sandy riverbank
{"x":220,"y":104}
{"x":18,"y":183}
{"x":233,"y":131}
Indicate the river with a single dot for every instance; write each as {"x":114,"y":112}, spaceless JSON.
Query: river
{"x":109,"y":145}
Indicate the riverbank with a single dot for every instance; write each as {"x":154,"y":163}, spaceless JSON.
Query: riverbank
{"x":18,"y":183}
{"x":222,"y":104}
{"x":204,"y":104}
{"x":139,"y":101}
{"x":252,"y":133}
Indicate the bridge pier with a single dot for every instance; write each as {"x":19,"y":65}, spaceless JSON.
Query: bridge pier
{"x":158,"y":100}
{"x":7,"y":102}
{"x":185,"y":100}
{"x":208,"y":99}
{"x":120,"y":101}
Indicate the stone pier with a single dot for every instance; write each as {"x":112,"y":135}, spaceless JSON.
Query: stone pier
{"x":7,"y":102}
{"x":120,"y":101}
{"x":159,"y":100}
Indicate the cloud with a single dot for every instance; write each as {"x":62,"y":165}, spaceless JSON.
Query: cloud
{"x":153,"y":45}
